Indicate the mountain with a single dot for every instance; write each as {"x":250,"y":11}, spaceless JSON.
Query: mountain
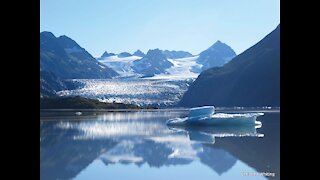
{"x":176,"y":54}
{"x":218,"y":160}
{"x":250,"y":79}
{"x":106,"y":54}
{"x":64,"y":58}
{"x":266,"y":151}
{"x":50,"y":84}
{"x":139,"y":53}
{"x":124,"y":54}
{"x":216,"y":55}
{"x":154,"y":62}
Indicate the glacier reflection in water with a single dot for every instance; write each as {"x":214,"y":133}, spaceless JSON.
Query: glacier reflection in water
{"x":76,"y":149}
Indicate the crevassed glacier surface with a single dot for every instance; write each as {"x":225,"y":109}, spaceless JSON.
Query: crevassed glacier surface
{"x":139,"y":91}
{"x":162,"y":90}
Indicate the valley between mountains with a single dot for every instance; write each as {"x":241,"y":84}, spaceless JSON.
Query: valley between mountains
{"x":163,"y":78}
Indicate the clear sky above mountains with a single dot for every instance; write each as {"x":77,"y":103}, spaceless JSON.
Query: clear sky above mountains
{"x":128,"y":25}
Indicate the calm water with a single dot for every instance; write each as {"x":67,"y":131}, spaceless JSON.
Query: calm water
{"x":138,"y":145}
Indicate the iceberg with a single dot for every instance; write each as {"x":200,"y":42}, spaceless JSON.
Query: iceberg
{"x":78,"y":113}
{"x":201,"y":111}
{"x":206,"y":116}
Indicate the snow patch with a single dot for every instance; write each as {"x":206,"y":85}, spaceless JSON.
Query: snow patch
{"x":118,"y":59}
{"x":181,"y":69}
{"x":122,"y":66}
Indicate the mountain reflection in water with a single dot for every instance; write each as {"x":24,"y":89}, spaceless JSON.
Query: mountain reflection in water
{"x":68,"y":147}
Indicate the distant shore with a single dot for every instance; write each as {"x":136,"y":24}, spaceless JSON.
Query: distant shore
{"x":77,"y":102}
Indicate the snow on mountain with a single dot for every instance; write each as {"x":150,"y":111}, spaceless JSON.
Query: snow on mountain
{"x":176,"y":54}
{"x":121,"y":65}
{"x":182,"y":69}
{"x":118,"y":59}
{"x":154,"y":62}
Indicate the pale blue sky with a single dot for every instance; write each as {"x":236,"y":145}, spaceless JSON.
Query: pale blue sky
{"x":128,"y":25}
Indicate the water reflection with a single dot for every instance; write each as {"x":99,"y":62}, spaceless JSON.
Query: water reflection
{"x":69,"y":147}
{"x":207,"y":134}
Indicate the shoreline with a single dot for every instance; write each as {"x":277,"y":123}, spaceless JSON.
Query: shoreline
{"x":218,"y":109}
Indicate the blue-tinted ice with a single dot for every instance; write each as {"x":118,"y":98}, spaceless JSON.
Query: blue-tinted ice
{"x":206,"y":116}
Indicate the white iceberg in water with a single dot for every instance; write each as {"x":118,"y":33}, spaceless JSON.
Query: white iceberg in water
{"x":201,"y":111}
{"x":78,"y":113}
{"x":206,"y":116}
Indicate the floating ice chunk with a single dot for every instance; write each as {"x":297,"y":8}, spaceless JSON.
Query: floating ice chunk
{"x":78,"y":113}
{"x":217,"y":119}
{"x":205,"y":116}
{"x":201,"y":111}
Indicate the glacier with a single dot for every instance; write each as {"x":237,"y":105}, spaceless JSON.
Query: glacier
{"x":162,"y":90}
{"x":139,"y":91}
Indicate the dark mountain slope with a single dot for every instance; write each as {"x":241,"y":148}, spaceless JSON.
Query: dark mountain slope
{"x":67,"y":60}
{"x":250,"y":79}
{"x":216,"y":55}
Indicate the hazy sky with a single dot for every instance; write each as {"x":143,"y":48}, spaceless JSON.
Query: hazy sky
{"x":191,"y":25}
